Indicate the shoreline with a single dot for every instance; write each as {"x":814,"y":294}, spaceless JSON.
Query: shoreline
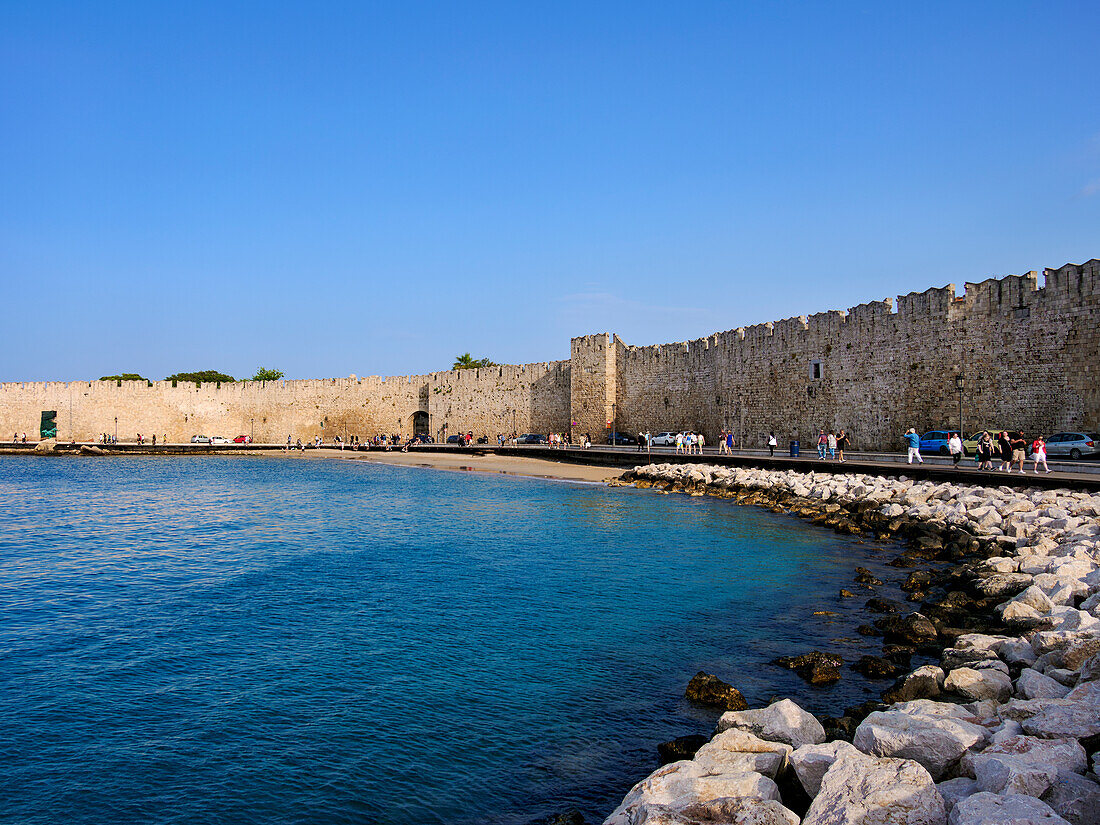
{"x":1015,"y":624}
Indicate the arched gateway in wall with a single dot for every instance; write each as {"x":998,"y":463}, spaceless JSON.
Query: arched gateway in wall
{"x":419,"y":423}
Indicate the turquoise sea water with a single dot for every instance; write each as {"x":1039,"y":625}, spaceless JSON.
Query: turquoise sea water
{"x":267,"y":640}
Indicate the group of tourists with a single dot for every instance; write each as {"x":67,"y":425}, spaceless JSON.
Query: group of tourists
{"x":1004,"y":448}
{"x":830,"y":445}
{"x":689,"y":443}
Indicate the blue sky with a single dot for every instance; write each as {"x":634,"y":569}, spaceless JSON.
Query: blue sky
{"x":361,"y":188}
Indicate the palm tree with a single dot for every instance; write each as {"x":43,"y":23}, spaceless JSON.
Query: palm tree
{"x":464,"y":362}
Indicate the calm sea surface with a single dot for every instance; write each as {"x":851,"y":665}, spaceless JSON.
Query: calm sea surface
{"x":225,"y":640}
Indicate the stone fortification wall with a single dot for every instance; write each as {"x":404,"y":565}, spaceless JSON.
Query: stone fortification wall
{"x":1029,"y":357}
{"x":459,"y":400}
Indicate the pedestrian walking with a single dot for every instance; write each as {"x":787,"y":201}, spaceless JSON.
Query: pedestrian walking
{"x":842,"y":443}
{"x":1004,"y":451}
{"x":913,"y":440}
{"x":955,"y":448}
{"x":679,"y":442}
{"x":772,"y":444}
{"x":730,"y":442}
{"x":832,"y":444}
{"x":1019,"y":451}
{"x":822,"y":445}
{"x":1039,"y":453}
{"x":985,"y":452}
{"x":700,"y":442}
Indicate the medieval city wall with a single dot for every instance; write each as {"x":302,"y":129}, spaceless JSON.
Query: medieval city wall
{"x":453,"y":401}
{"x":1029,"y":357}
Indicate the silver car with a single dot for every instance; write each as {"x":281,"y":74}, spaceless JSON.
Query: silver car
{"x":663,"y":440}
{"x":1073,"y":445}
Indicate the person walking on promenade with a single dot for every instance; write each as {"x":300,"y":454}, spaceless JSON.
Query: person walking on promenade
{"x":679,"y":440}
{"x":832,"y":445}
{"x":913,"y":440}
{"x":730,"y":441}
{"x":587,"y":441}
{"x":985,"y":452}
{"x":699,"y":443}
{"x":955,"y":447}
{"x":722,"y":442}
{"x":1039,"y":453}
{"x":822,"y":445}
{"x":1004,"y":450}
{"x":843,"y":443}
{"x":772,"y":444}
{"x":1019,"y":451}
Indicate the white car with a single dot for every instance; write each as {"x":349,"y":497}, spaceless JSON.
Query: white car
{"x":1073,"y":445}
{"x":663,"y":440}
{"x":220,"y":439}
{"x":201,"y":439}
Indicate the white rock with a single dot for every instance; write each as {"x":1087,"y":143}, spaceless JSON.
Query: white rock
{"x":935,"y":742}
{"x":810,"y":762}
{"x":736,"y":751}
{"x":683,"y":783}
{"x":728,"y":810}
{"x":979,"y":684}
{"x":990,"y":809}
{"x":866,"y":789}
{"x":1026,"y":765}
{"x":782,"y":721}
{"x":1016,"y":652}
{"x":952,"y":790}
{"x":1075,"y":798}
{"x":1034,"y":685}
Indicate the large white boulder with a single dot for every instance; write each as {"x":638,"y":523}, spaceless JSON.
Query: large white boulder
{"x":683,"y":783}
{"x":987,"y":683}
{"x":1026,"y":764}
{"x":936,"y":742}
{"x":1014,"y":809}
{"x":782,"y":721}
{"x":868,"y":789}
{"x":1034,"y":685}
{"x":727,"y":810}
{"x":736,"y":751}
{"x":810,"y":762}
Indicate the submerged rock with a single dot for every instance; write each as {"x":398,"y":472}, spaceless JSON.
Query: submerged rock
{"x":815,"y":667}
{"x":875,"y":667}
{"x":708,"y":689}
{"x":912,"y":628}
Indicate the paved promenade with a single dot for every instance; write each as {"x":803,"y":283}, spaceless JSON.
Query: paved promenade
{"x":1072,"y":474}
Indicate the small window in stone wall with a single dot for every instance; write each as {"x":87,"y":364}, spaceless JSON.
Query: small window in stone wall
{"x":816,"y":370}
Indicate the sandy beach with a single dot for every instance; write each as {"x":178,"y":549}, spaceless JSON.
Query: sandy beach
{"x":510,"y":465}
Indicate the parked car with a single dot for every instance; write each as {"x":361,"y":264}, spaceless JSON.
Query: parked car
{"x":242,"y":439}
{"x":201,"y":439}
{"x":531,"y":438}
{"x":663,"y":440}
{"x":1074,"y":445}
{"x":220,"y":439}
{"x":421,"y":438}
{"x":935,"y":441}
{"x":456,"y":439}
{"x":621,"y":440}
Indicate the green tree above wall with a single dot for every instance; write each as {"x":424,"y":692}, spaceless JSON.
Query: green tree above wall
{"x":468,"y":362}
{"x":126,"y":376}
{"x":264,"y":374}
{"x":205,"y":375}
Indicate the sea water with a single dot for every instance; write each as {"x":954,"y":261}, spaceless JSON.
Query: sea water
{"x":234,"y":640}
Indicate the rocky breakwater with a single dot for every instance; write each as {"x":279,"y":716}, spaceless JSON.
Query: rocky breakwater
{"x":1006,"y":729}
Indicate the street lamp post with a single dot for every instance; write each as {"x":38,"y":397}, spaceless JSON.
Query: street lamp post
{"x":614,"y":424}
{"x":252,"y":434}
{"x":959,"y":384}
{"x":116,"y":429}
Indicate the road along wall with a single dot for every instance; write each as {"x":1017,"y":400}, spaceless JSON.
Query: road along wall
{"x":1028,"y":357}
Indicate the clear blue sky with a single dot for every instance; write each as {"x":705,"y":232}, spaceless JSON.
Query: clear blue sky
{"x":361,"y":188}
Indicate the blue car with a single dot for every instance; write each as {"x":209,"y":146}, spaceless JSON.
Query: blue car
{"x":935,"y":441}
